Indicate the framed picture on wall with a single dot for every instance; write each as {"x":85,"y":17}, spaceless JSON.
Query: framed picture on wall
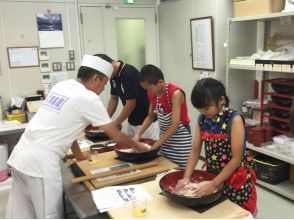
{"x":19,"y":57}
{"x":202,"y":41}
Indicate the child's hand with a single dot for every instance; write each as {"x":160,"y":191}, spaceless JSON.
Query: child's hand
{"x":142,"y":147}
{"x":204,"y":188}
{"x":181,"y":184}
{"x":136,"y":138}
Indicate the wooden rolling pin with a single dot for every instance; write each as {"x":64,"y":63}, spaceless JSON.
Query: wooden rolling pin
{"x":113,"y":172}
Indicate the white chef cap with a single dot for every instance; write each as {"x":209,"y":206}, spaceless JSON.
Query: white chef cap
{"x":98,"y":64}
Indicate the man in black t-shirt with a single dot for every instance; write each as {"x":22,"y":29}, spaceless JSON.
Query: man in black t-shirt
{"x":125,"y":86}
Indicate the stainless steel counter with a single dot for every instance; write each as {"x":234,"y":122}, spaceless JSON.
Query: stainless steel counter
{"x":78,"y":196}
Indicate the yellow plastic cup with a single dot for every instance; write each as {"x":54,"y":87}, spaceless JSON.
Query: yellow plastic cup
{"x":139,"y":207}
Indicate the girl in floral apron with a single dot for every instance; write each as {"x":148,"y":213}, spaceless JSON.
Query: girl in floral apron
{"x":223,"y":132}
{"x":168,"y":104}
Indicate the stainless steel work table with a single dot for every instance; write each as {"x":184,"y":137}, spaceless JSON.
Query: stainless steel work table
{"x":78,"y":196}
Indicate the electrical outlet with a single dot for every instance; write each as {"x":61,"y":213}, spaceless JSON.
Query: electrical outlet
{"x":71,"y":54}
{"x":70,"y":66}
{"x":56,"y":66}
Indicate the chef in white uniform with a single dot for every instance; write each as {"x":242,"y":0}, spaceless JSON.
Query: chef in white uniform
{"x":69,"y":108}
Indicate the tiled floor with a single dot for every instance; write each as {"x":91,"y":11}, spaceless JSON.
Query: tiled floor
{"x":270,"y":205}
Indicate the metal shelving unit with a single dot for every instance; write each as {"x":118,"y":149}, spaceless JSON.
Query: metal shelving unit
{"x":264,"y":17}
{"x":284,"y":188}
{"x":247,"y":67}
{"x":271,"y":153}
{"x":245,"y":36}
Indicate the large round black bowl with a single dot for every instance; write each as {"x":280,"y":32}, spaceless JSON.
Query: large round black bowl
{"x":279,"y":125}
{"x":285,"y":89}
{"x":280,"y":113}
{"x":168,"y":183}
{"x":136,"y":157}
{"x":281,"y":101}
{"x":96,"y":135}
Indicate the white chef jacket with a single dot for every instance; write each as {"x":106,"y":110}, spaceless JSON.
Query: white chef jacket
{"x":67,"y":110}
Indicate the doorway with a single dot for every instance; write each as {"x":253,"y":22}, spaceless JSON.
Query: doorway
{"x":123,"y":33}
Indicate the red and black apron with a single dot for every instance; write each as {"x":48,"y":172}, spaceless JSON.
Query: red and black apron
{"x":177,"y":148}
{"x":240,"y":186}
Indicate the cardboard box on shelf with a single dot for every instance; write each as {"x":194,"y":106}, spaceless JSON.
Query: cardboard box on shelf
{"x":257,"y":7}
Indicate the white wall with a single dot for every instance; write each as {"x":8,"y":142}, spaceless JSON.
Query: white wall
{"x":18,"y":28}
{"x":175,"y":41}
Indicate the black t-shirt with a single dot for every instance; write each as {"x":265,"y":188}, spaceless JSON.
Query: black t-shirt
{"x":126,"y":86}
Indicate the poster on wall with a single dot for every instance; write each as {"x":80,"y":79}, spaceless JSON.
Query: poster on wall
{"x":19,"y":57}
{"x":202,"y":43}
{"x":50,"y":30}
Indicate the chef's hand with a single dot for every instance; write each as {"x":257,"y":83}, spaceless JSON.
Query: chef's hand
{"x":181,"y":184}
{"x":204,"y":188}
{"x":84,"y":155}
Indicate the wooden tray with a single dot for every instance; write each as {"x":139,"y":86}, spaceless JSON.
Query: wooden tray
{"x":108,"y":159}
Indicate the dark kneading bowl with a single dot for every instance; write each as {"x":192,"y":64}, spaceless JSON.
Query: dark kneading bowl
{"x":280,"y":113}
{"x":136,"y":157}
{"x":99,"y":148}
{"x":168,"y":183}
{"x":282,"y":88}
{"x":281,"y":101}
{"x":96,"y":135}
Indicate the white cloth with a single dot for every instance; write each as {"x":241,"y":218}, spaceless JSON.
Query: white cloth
{"x":98,"y":64}
{"x":20,"y":205}
{"x":67,"y":110}
{"x":152,"y":132}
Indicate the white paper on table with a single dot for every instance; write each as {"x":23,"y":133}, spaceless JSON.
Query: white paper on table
{"x":116,"y":196}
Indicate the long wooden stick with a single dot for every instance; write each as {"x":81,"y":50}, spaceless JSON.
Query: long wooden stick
{"x":113,"y":172}
{"x":89,"y":185}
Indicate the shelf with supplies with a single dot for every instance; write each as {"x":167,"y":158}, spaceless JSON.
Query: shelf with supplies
{"x":246,"y":79}
{"x":285,"y":188}
{"x":254,"y":68}
{"x":264,"y":17}
{"x":269,"y":152}
{"x":281,"y":99}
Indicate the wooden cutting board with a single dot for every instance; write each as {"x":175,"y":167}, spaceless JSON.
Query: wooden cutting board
{"x":162,"y":207}
{"x":108,"y":159}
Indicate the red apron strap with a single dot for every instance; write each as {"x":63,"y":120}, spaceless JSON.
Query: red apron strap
{"x":204,"y":165}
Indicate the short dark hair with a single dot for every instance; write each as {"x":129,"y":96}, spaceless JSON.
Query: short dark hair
{"x":104,"y":57}
{"x":150,"y":74}
{"x":85,"y":73}
{"x":207,"y":91}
